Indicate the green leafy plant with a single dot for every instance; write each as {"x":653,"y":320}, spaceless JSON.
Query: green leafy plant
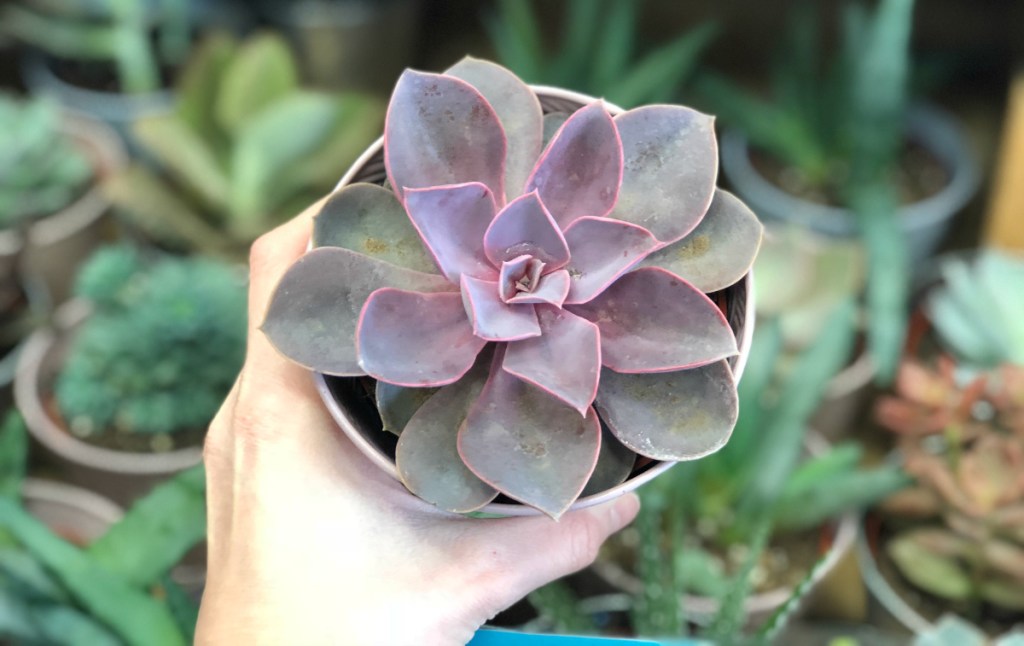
{"x":840,"y":127}
{"x":233,"y":161}
{"x":978,"y":309}
{"x":56,"y":592}
{"x":41,"y":170}
{"x":119,"y":32}
{"x":598,"y":51}
{"x":956,"y":631}
{"x":959,"y":531}
{"x":161,"y":348}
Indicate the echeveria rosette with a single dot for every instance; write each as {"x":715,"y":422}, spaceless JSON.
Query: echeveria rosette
{"x":517,"y":305}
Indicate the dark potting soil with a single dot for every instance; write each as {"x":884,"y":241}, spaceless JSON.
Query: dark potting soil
{"x":918,"y":175}
{"x":129,"y":442}
{"x":992,"y":619}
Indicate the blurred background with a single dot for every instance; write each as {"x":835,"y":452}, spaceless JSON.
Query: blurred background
{"x":144,"y":144}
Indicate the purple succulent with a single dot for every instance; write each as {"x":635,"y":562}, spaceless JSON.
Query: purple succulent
{"x":509,"y":294}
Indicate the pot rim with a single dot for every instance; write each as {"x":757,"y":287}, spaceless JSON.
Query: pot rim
{"x":387,"y":464}
{"x":884,"y":593}
{"x":62,"y":493}
{"x":29,"y":399}
{"x":936,"y":130}
{"x":106,"y":155}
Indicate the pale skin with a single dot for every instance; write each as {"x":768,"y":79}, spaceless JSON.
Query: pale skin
{"x":310,"y":543}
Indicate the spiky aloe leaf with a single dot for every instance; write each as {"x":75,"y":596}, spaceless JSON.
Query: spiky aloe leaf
{"x":13,"y":455}
{"x":670,"y":159}
{"x":602,"y":250}
{"x":680,"y":415}
{"x":719,"y":251}
{"x":580,"y":171}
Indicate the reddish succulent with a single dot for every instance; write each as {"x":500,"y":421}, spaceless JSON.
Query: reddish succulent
{"x":534,"y":288}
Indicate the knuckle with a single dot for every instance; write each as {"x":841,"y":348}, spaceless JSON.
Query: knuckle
{"x":585,"y":540}
{"x":260,"y":252}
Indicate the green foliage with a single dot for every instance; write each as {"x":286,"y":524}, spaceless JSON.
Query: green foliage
{"x":978,"y":310}
{"x":52,"y":592}
{"x":41,"y":169}
{"x":118,"y":32}
{"x":245,"y":149}
{"x":951,"y":630}
{"x":597,"y":53}
{"x":840,"y":126}
{"x":161,"y":349}
{"x":13,"y":452}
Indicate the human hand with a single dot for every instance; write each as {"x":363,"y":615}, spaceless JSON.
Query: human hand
{"x":310,"y":543}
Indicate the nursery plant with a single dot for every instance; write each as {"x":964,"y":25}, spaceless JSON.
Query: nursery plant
{"x":159,"y":351}
{"x":41,"y":170}
{"x":231,"y":161}
{"x":838,"y":127}
{"x":112,"y":591}
{"x":597,"y":52}
{"x":136,"y":37}
{"x":542,"y":291}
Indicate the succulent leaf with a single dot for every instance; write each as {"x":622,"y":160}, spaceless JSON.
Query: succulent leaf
{"x":397,"y":404}
{"x":929,"y":558}
{"x":680,"y":415}
{"x":553,"y":122}
{"x":580,"y":171}
{"x":414,"y":339}
{"x":518,"y":110}
{"x":669,"y":169}
{"x":525,"y":227}
{"x":492,"y":318}
{"x":262,"y":72}
{"x":614,"y":464}
{"x":653,"y":321}
{"x":452,"y":221}
{"x":551,"y":289}
{"x":529,"y":445}
{"x":315,"y":308}
{"x":602,"y":250}
{"x":427,"y":456}
{"x":719,"y":251}
{"x":565,"y":360}
{"x":187,"y":156}
{"x":370,"y":220}
{"x":439,"y":130}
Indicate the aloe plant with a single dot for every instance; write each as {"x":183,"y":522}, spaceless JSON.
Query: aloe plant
{"x":541,"y":290}
{"x":41,"y":169}
{"x":231,"y":161}
{"x":840,"y":125}
{"x":161,"y":348}
{"x":54,"y":592}
{"x":597,"y":53}
{"x":119,"y":32}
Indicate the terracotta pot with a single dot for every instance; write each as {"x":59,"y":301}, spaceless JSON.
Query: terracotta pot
{"x":740,"y":314}
{"x":924,"y":223}
{"x":55,"y":245}
{"x":76,"y":514}
{"x":758,"y":607}
{"x":122,"y":475}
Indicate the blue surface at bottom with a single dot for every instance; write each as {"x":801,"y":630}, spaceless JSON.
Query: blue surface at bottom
{"x":489,"y":637}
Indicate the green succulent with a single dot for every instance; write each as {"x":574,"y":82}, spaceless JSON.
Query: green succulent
{"x":161,"y":348}
{"x":120,"y":32}
{"x":978,"y":310}
{"x":114,"y":591}
{"x":598,"y":51}
{"x":41,"y":169}
{"x":245,"y":148}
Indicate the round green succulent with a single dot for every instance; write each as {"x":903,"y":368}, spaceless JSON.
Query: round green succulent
{"x":41,"y":170}
{"x":161,"y":348}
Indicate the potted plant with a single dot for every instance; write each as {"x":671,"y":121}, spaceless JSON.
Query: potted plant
{"x":51,"y":208}
{"x":954,"y":541}
{"x":800,"y":278}
{"x":73,"y":570}
{"x":844,"y":153}
{"x":597,"y":53}
{"x":771,"y":513}
{"x":536,"y":312}
{"x":120,"y":394}
{"x":229,"y":163}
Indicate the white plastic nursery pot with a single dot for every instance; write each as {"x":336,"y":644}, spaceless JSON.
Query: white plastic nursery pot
{"x":55,"y":245}
{"x":924,"y":222}
{"x":121,"y":475}
{"x":378,"y":445}
{"x":895,"y":606}
{"x":77,"y":515}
